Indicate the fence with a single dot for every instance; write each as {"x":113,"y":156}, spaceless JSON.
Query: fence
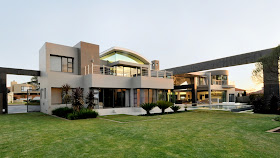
{"x":126,"y":71}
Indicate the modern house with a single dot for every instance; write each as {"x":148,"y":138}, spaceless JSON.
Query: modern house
{"x":120,"y":78}
{"x":200,"y":87}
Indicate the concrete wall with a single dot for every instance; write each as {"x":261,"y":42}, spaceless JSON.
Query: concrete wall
{"x":88,"y":54}
{"x":109,"y":81}
{"x":49,"y":79}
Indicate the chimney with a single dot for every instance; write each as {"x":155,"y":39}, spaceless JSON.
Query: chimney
{"x":155,"y":65}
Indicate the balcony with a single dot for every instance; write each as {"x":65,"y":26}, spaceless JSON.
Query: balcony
{"x":127,"y":71}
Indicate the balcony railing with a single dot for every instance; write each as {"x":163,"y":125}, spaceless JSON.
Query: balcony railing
{"x":126,"y":71}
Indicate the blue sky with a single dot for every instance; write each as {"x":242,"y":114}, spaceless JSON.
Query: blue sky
{"x":172,"y":31}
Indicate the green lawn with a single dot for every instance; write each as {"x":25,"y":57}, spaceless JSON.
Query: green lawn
{"x":188,"y":134}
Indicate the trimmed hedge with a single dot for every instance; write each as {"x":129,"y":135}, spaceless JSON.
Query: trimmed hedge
{"x":62,"y":112}
{"x":82,"y":114}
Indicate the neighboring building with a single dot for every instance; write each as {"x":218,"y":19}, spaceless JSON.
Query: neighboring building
{"x":258,"y":92}
{"x":194,"y":87}
{"x":20,"y":91}
{"x":239,"y":92}
{"x":119,"y":77}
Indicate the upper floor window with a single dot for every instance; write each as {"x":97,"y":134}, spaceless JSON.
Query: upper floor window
{"x":61,"y":64}
{"x":25,"y":88}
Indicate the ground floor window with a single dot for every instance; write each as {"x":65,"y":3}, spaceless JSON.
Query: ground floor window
{"x":114,"y":97}
{"x":148,"y":96}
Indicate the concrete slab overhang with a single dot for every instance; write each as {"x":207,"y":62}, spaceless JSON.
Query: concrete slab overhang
{"x":235,"y":60}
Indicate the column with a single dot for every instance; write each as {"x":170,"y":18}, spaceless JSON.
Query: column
{"x":209,"y":87}
{"x":194,"y":91}
{"x":3,"y":94}
{"x":270,"y":79}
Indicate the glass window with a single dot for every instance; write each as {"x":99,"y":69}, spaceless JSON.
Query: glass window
{"x":121,"y":56}
{"x":64,"y":65}
{"x":55,"y":63}
{"x":119,"y":70}
{"x":61,"y":64}
{"x":144,"y":71}
{"x":126,"y":71}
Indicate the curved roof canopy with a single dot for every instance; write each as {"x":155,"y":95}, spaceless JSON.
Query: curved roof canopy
{"x":121,"y":54}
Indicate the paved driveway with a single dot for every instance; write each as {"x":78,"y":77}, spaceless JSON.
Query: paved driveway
{"x":23,"y":108}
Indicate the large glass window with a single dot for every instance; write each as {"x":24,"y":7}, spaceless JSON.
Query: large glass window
{"x":114,"y":97}
{"x":61,"y":64}
{"x":120,"y":56}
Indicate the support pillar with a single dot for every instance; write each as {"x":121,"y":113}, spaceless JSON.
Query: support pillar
{"x":194,"y":91}
{"x":270,"y":79}
{"x":3,"y":94}
{"x":209,"y":87}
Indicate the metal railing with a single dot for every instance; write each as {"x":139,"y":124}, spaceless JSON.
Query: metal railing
{"x":126,"y":71}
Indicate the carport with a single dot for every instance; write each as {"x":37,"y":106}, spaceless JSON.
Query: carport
{"x":3,"y":86}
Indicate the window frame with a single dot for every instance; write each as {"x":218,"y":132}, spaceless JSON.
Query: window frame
{"x":68,"y":63}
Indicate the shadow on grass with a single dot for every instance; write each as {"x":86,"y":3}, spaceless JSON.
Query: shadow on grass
{"x":166,"y":113}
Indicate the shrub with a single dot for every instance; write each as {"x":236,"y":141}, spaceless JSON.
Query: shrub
{"x":82,"y":114}
{"x":62,"y":112}
{"x":148,"y":107}
{"x":90,"y":99}
{"x":253,"y":97}
{"x":175,"y":108}
{"x":186,"y":107}
{"x":163,"y":105}
{"x":259,"y":106}
{"x":273,"y":104}
{"x":277,"y":118}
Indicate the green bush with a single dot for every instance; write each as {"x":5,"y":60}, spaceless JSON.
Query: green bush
{"x":62,"y":112}
{"x":277,"y":118}
{"x":186,"y":107}
{"x":148,"y":107}
{"x":164,"y":105}
{"x":272,"y":106}
{"x":82,"y":114}
{"x":175,"y":108}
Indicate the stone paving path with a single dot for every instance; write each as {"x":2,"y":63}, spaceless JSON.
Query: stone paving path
{"x":23,"y":108}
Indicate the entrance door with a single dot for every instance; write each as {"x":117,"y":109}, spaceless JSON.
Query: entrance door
{"x":231,"y":97}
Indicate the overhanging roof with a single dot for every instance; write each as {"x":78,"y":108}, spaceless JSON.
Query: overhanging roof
{"x":124,"y":50}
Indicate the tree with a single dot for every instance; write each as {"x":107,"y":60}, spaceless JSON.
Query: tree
{"x":34,"y":82}
{"x":65,"y":93}
{"x":175,"y":108}
{"x":77,"y":99}
{"x":148,"y":107}
{"x":163,"y":105}
{"x":90,"y":99}
{"x":269,"y":61}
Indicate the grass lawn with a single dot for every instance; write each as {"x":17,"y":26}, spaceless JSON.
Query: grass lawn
{"x":189,"y":134}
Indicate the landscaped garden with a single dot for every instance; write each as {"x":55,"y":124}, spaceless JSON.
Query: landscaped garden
{"x":187,"y":134}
